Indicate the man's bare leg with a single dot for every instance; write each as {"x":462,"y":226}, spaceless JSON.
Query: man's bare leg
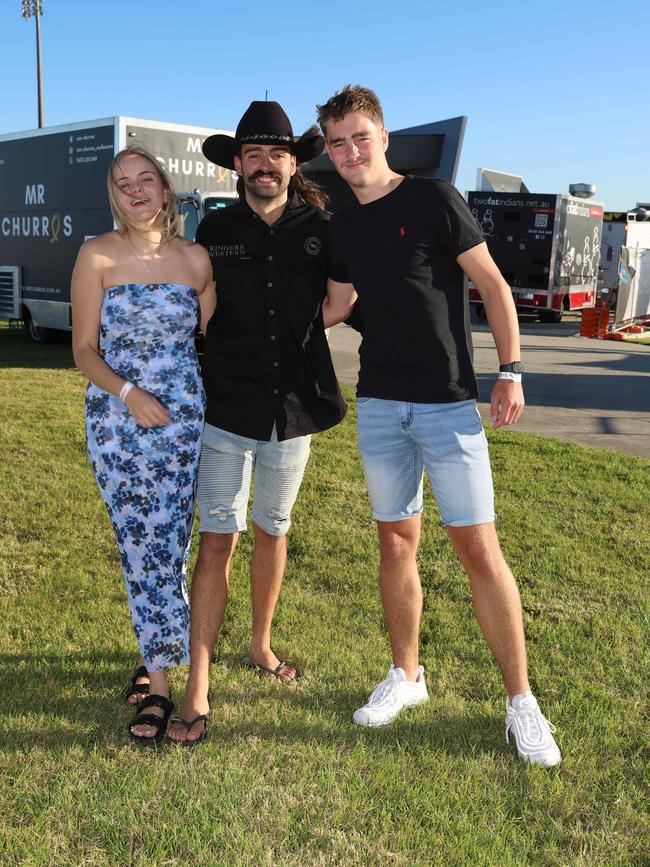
{"x":209,"y":595}
{"x":267,"y":571}
{"x":496,"y":601}
{"x":401,"y":593}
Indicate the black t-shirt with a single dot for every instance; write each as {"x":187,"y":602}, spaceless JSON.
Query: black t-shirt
{"x":266,"y":358}
{"x":400,"y":253}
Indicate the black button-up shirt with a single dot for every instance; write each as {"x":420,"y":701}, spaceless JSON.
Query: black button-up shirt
{"x":266,"y":359}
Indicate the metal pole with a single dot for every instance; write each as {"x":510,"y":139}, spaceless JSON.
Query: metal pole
{"x":38,"y":63}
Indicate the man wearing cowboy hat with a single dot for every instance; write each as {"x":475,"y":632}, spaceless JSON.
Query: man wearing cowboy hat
{"x":268,"y":377}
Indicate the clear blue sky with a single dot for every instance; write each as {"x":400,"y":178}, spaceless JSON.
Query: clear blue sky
{"x":556,"y":90}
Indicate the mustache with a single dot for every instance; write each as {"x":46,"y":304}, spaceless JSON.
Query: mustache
{"x":261,"y":174}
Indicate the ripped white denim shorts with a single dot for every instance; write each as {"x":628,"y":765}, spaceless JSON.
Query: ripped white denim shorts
{"x":228,"y":461}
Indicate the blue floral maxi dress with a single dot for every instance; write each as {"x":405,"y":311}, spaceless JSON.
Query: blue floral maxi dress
{"x":147,"y":476}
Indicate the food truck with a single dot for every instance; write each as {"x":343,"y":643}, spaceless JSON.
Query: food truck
{"x":547,"y":246}
{"x":53,"y":197}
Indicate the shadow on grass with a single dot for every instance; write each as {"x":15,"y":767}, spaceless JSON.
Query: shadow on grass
{"x":55,"y":702}
{"x":17,"y":349}
{"x":65,"y":699}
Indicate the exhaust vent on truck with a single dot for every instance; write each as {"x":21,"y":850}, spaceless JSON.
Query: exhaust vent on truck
{"x":9,"y":292}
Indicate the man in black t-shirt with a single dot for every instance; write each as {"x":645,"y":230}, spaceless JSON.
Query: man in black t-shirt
{"x":268,"y":378}
{"x":404,"y":245}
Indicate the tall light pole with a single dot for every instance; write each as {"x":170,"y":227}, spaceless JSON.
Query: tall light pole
{"x":35,"y":8}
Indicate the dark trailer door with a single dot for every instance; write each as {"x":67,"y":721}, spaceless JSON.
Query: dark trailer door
{"x":518,"y":230}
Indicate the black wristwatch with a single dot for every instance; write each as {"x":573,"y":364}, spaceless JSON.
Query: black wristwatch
{"x":513,"y":367}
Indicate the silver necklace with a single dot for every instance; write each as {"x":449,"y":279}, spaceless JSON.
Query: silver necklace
{"x":150,"y":266}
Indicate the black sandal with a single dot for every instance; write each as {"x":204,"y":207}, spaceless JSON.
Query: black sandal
{"x":137,"y":688}
{"x":187,"y":725}
{"x":151,"y":719}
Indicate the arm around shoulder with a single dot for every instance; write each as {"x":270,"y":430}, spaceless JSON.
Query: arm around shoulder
{"x":338,"y":302}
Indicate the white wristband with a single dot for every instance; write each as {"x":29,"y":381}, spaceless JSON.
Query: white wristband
{"x":513,"y":377}
{"x":126,"y":388}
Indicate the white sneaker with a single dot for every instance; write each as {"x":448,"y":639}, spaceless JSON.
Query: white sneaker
{"x":533,"y":733}
{"x":390,"y":696}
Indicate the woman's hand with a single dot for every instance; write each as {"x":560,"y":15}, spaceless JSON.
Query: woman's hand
{"x":146,"y":409}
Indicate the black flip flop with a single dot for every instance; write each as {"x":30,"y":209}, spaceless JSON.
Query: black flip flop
{"x":276,"y":673}
{"x":187,"y":725}
{"x":151,"y":719}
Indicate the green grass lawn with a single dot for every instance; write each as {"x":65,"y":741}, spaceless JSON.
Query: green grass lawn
{"x":285,"y":778}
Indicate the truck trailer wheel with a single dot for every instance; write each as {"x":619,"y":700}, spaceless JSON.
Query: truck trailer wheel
{"x":38,"y":333}
{"x":550,"y":316}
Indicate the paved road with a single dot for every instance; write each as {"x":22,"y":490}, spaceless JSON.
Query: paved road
{"x":594,"y":392}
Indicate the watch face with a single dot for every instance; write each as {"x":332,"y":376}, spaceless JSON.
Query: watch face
{"x":513,"y":367}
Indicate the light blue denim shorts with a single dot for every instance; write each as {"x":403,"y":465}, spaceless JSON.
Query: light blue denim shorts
{"x":228,"y":462}
{"x":397,"y":440}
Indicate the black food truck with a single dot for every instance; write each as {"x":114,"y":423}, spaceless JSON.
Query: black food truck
{"x":546,"y":246}
{"x":53,"y":197}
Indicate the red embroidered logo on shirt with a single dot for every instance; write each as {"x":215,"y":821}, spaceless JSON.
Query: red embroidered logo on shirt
{"x":402,"y":231}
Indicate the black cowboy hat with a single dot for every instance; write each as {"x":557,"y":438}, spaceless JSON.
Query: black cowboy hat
{"x":263,"y":123}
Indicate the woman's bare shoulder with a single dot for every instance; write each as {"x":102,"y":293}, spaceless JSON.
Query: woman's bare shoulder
{"x":102,"y":245}
{"x":201,"y":253}
{"x":197,"y":260}
{"x":197,"y":254}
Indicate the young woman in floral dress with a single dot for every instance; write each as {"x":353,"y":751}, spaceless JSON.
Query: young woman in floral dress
{"x":138,"y":295}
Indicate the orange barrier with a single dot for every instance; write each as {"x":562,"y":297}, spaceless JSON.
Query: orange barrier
{"x":594,"y":320}
{"x":628,"y":332}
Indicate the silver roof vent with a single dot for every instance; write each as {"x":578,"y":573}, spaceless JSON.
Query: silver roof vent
{"x":582,"y":191}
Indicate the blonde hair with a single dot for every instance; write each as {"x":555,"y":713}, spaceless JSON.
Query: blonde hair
{"x":171,"y":221}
